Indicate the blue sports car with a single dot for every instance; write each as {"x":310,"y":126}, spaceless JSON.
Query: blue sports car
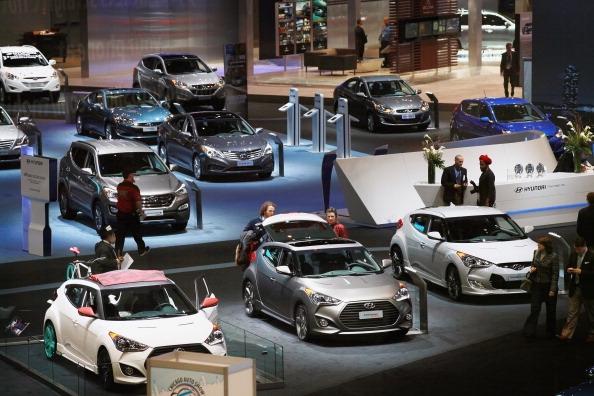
{"x":493,"y":116}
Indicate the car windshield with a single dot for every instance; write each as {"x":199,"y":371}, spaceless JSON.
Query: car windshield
{"x":336,"y":262}
{"x":299,"y":229}
{"x":125,"y":303}
{"x":23,"y":59}
{"x":517,"y":113}
{"x":185,"y":65}
{"x":209,"y":127}
{"x":112,"y":165}
{"x":483,"y":229}
{"x":130,"y":99}
{"x":4,"y":118}
{"x":390,"y":88}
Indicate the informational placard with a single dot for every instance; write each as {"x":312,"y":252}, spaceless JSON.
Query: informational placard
{"x":39,"y":178}
{"x":236,"y":79}
{"x":285,"y":22}
{"x":302,"y":26}
{"x":320,"y":24}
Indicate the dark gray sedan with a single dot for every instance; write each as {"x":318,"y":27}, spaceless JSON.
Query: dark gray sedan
{"x":126,"y":112}
{"x":383,"y":101}
{"x":211,"y":143}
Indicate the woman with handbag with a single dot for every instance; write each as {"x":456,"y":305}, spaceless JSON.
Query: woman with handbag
{"x":545,"y":275}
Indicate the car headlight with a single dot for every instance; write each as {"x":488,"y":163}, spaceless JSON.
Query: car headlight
{"x":211,"y":152}
{"x":268,"y":149}
{"x":110,"y":193}
{"x":221,"y":81}
{"x":54,"y":74}
{"x":425,"y":106}
{"x":471,"y":261}
{"x":320,"y":298}
{"x":181,"y":190}
{"x":124,"y":344}
{"x":22,"y":141}
{"x":380,"y":108}
{"x":402,"y":293}
{"x":11,"y":76}
{"x":179,"y":84}
{"x":215,"y":337}
{"x":123,"y":120}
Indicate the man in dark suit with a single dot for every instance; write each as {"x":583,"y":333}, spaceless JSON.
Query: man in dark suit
{"x":454,"y":180}
{"x":107,"y":259}
{"x":580,"y":269}
{"x":585,"y":221}
{"x":509,"y":68}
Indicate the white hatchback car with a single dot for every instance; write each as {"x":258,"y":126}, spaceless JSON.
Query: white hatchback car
{"x":111,"y":323}
{"x":24,"y":70}
{"x":498,"y":30}
{"x":467,"y":249}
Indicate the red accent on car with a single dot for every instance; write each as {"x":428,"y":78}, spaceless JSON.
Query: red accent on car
{"x":399,"y":224}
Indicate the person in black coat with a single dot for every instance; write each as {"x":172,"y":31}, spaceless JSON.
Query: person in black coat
{"x":360,"y":39}
{"x":509,"y":68}
{"x":580,"y":271}
{"x":454,"y":180}
{"x":486,"y":186}
{"x":107,"y":259}
{"x":585,"y":221}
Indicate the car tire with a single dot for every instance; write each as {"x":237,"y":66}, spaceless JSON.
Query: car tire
{"x":398,"y":271}
{"x":371,"y":124}
{"x":163,"y":153}
{"x":110,"y":131}
{"x":50,"y":342}
{"x":248,"y":299}
{"x":105,"y":369}
{"x":64,"y":203}
{"x":53,"y":96}
{"x":197,"y":168}
{"x":98,"y":216}
{"x":218,"y":104}
{"x":302,"y":323}
{"x":5,"y":97}
{"x":179,"y":226}
{"x":80,"y":129}
{"x":454,"y":135}
{"x":453,"y":284}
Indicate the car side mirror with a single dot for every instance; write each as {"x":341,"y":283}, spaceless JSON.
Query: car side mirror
{"x":209,"y":302}
{"x":173,"y":167}
{"x":418,"y":91}
{"x":485,"y":119}
{"x":24,"y":120}
{"x":52,"y":62}
{"x":87,"y":171}
{"x":528,"y":229}
{"x":435,"y":235}
{"x":284,"y":269}
{"x":361,"y":94}
{"x":158,"y":71}
{"x":386,"y":263}
{"x":213,"y":69}
{"x":87,"y":311}
{"x":259,"y":130}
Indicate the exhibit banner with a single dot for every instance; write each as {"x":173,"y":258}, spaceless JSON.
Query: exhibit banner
{"x":285,"y":32}
{"x":236,"y":79}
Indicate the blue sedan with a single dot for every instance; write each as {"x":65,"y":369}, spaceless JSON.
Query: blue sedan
{"x":494,"y":116}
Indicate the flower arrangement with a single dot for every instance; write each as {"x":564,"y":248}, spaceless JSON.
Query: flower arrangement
{"x":433,"y":153}
{"x":578,"y":140}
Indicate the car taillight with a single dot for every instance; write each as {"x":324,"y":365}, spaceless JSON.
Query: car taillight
{"x":399,"y":224}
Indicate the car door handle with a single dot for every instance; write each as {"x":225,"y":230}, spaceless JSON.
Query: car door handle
{"x":272,"y":279}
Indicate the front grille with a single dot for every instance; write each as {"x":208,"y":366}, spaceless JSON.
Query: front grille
{"x":350,"y":315}
{"x":157,"y":201}
{"x":35,"y":84}
{"x":243,"y":155}
{"x":498,"y":282}
{"x":6,"y":144}
{"x":146,"y":124}
{"x":197,"y":348}
{"x":206,"y":89}
{"x":402,"y":111}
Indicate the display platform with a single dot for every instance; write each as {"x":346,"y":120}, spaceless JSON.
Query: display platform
{"x":548,"y":199}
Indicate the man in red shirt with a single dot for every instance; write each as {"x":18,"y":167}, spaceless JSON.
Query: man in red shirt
{"x":332,"y":219}
{"x":129,"y":212}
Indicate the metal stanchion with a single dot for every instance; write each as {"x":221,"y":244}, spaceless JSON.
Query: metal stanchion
{"x":281,"y":154}
{"x":293,"y":111}
{"x":435,"y":106}
{"x":318,"y":124}
{"x":343,"y":129}
{"x":198,"y":202}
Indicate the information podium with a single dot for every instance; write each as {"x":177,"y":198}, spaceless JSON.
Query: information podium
{"x":182,"y":372}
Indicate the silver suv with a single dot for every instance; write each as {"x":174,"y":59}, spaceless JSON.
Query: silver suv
{"x":91,"y":170}
{"x":180,"y":78}
{"x":24,"y":70}
{"x":498,"y":30}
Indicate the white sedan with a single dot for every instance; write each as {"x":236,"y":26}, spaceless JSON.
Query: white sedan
{"x":467,"y":249}
{"x":111,"y":323}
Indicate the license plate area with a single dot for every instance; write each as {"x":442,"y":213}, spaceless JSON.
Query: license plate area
{"x":153,"y":212}
{"x":408,"y":116}
{"x":245,"y":163}
{"x":377,"y":314}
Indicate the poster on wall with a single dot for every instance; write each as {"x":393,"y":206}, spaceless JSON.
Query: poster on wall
{"x":320,"y":24}
{"x":236,"y":79}
{"x":285,"y":22}
{"x":303,"y":26}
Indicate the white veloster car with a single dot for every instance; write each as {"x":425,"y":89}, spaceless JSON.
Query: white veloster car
{"x":467,"y":249}
{"x":111,"y":323}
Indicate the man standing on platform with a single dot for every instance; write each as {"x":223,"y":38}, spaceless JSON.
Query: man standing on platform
{"x":585,"y":221}
{"x":360,"y":39}
{"x":384,"y":39}
{"x":509,"y":68}
{"x":454,"y":180}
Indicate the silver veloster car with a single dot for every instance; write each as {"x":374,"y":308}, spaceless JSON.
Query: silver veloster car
{"x":320,"y":284}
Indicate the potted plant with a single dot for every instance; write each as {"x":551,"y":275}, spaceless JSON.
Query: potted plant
{"x":433,"y":153}
{"x":578,"y":141}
